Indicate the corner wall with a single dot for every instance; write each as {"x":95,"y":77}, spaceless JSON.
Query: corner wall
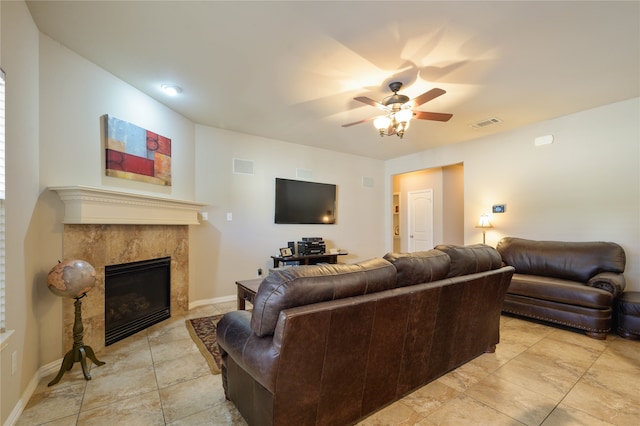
{"x":74,"y":94}
{"x":585,"y":186}
{"x":54,"y":102}
{"x":224,"y":251}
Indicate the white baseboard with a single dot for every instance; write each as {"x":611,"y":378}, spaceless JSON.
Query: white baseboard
{"x":42,"y":372}
{"x":52,"y":367}
{"x":213,"y":301}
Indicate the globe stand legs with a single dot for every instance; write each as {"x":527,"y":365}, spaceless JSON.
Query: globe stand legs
{"x":79,"y":352}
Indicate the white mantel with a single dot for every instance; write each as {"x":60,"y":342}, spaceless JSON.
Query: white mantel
{"x":86,"y":205}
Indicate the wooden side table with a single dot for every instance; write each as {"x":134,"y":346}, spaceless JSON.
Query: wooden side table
{"x":310,"y":259}
{"x":247,"y":290}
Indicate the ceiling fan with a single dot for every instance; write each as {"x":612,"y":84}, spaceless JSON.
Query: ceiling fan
{"x":399,"y":111}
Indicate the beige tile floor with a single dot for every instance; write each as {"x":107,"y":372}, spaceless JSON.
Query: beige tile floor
{"x":539,"y":375}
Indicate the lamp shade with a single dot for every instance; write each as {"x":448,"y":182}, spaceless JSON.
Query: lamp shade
{"x":484,"y":222}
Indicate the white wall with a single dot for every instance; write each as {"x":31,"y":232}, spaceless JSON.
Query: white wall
{"x":583,"y":187}
{"x":19,"y":59}
{"x":54,"y":102}
{"x":74,"y":94}
{"x":223,"y":252}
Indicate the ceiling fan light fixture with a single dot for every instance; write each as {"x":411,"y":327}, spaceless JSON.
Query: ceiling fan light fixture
{"x":404,"y":115}
{"x":396,"y":122}
{"x":399,"y":111}
{"x":382,"y":123}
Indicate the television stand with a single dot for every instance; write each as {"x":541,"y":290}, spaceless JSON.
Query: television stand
{"x":311,"y":259}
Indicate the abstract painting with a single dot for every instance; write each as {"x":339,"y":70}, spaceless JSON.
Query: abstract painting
{"x":135,"y":153}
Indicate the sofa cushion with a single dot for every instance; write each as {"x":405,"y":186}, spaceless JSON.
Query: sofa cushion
{"x":471,"y":259}
{"x":303,"y":285}
{"x":577,"y":261}
{"x":561,"y":291}
{"x":419,"y":267}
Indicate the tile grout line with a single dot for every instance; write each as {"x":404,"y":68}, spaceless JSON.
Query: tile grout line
{"x":493,"y":373}
{"x":155,"y":375}
{"x":577,"y":382}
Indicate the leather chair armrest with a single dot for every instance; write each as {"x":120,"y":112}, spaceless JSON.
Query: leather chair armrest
{"x":612,"y":282}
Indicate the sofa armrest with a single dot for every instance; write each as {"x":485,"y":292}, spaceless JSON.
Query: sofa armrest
{"x":612,"y":282}
{"x":256,"y":355}
{"x":233,"y":330}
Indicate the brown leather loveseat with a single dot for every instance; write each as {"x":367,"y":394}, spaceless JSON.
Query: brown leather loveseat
{"x":573,"y":284}
{"x":330,"y":344}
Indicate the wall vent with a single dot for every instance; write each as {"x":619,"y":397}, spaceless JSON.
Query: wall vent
{"x":367,"y":182}
{"x":244,"y":167}
{"x":304,"y":173}
{"x":488,"y":122}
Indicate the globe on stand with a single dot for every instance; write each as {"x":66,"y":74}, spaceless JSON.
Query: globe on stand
{"x":74,"y":278}
{"x":71,"y":278}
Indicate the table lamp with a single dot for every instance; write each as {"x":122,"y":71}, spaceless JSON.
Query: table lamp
{"x":484,"y":224}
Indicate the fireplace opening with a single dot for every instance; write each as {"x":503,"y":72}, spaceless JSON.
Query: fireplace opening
{"x":137,"y":295}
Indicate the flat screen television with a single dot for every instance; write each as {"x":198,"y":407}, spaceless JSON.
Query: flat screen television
{"x":300,"y":202}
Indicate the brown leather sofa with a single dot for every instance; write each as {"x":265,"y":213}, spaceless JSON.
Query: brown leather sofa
{"x":330,"y":344}
{"x":572,"y":284}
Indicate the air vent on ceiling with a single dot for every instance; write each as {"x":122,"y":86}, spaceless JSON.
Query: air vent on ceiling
{"x":488,"y":122}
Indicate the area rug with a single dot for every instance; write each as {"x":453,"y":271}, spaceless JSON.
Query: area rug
{"x":203,"y":333}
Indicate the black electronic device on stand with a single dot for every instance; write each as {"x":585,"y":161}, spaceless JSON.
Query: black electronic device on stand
{"x":311,"y":245}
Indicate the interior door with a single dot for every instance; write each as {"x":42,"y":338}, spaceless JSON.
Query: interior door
{"x":420,"y":220}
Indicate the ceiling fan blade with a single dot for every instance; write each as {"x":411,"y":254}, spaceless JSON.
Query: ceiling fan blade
{"x":359,"y":122}
{"x":427,"y":96}
{"x":435,"y":116}
{"x":371,"y":102}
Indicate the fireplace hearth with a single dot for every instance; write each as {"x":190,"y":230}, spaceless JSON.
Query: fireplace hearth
{"x":137,"y":296}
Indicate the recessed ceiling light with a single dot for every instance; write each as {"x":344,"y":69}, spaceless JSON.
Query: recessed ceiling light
{"x":170,"y":89}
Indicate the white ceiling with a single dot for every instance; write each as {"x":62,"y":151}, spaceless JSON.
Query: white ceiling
{"x":290,"y":70}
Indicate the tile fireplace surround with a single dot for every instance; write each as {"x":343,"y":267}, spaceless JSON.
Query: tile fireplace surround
{"x":97,"y":229}
{"x":102,"y":245}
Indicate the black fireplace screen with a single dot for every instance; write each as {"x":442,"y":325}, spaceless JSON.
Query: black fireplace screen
{"x":137,"y":295}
